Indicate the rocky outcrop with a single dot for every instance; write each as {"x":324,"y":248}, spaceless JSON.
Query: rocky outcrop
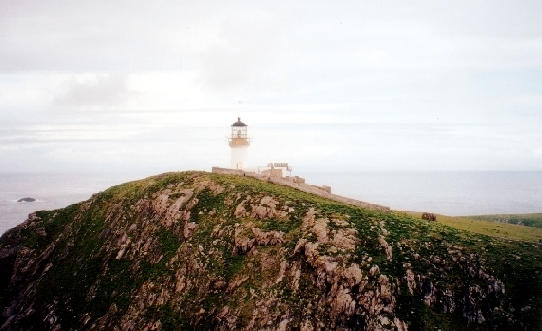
{"x":357,"y":295}
{"x":266,"y":207}
{"x":429,"y":217}
{"x":26,"y":199}
{"x":193,"y":250}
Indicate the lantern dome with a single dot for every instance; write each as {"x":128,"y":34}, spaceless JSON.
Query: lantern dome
{"x":238,"y":123}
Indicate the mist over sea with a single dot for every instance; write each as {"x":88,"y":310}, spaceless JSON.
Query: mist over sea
{"x":52,"y":191}
{"x":451,"y":193}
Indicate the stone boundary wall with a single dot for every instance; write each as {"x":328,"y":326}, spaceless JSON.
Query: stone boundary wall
{"x":226,"y":171}
{"x":323,"y":191}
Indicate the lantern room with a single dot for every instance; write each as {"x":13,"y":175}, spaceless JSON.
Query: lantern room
{"x":239,"y":135}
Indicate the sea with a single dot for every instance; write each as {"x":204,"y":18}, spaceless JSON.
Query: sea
{"x":450,"y":193}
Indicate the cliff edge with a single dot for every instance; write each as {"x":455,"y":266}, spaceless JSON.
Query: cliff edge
{"x":200,"y":250}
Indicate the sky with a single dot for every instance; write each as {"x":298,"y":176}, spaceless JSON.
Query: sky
{"x":152,"y":86}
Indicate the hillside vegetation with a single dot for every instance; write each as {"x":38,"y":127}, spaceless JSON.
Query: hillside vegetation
{"x":197,"y":250}
{"x":490,"y":226}
{"x":531,"y":220}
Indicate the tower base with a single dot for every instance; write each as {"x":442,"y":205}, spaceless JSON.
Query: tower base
{"x":238,"y":157}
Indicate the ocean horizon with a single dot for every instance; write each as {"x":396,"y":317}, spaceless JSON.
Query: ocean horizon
{"x":453,"y":193}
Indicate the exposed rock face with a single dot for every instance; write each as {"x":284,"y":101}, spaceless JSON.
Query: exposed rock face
{"x":193,"y":250}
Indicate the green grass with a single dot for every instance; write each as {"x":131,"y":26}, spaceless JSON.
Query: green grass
{"x":169,"y":243}
{"x":516,"y":260}
{"x":532,"y":220}
{"x":488,"y":228}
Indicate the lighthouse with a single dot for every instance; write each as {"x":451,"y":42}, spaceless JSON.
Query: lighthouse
{"x":239,"y":142}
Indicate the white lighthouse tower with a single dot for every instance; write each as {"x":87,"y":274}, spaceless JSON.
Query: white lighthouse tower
{"x":239,"y":142}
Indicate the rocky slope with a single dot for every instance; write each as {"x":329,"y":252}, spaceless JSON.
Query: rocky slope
{"x":198,"y":250}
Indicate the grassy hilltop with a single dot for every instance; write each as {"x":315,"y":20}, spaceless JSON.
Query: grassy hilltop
{"x":199,"y":250}
{"x":495,"y":225}
{"x":531,"y":220}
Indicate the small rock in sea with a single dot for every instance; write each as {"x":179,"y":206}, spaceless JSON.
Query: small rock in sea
{"x":26,"y":199}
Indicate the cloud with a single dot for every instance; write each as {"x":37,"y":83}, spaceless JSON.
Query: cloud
{"x":95,"y":90}
{"x":470,"y":69}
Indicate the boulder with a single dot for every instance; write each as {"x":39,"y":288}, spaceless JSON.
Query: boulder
{"x":429,"y":217}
